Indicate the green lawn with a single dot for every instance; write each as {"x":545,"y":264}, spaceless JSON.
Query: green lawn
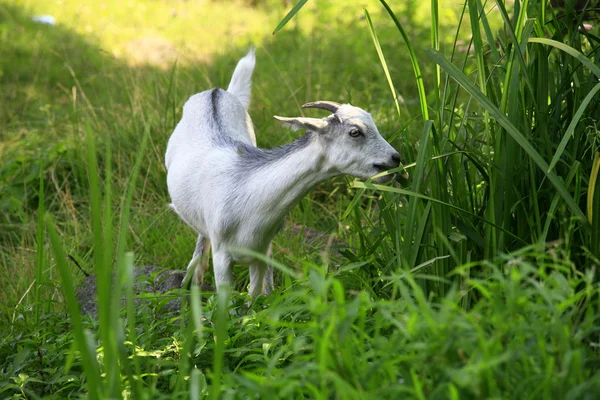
{"x":475,"y":279}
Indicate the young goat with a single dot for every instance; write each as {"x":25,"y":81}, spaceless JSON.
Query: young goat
{"x":236,"y":195}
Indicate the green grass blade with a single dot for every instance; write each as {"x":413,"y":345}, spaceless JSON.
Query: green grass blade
{"x":517,"y":51}
{"x":447,"y":92}
{"x":39,"y":256}
{"x":170,"y":95}
{"x":137,"y":383}
{"x":107,"y":210}
{"x":196,"y":385}
{"x":220,"y":336}
{"x":535,"y":203}
{"x":571,"y":51}
{"x":592,"y":186}
{"x":290,"y":15}
{"x":511,"y":130}
{"x":122,"y":258}
{"x":414,"y":62}
{"x":494,"y":56}
{"x":103,"y":269}
{"x":353,"y":204}
{"x":126,"y":209}
{"x":593,"y":203}
{"x":419,"y":234}
{"x":571,"y":128}
{"x":554,"y":204}
{"x":382,"y":60}
{"x":417,"y":184}
{"x":477,"y":43}
{"x":112,"y":367}
{"x":435,"y":44}
{"x":196,"y":310}
{"x":184,"y":357}
{"x":103,"y":277}
{"x":261,"y":257}
{"x":88,"y":355}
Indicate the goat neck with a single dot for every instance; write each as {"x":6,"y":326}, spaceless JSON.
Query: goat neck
{"x":280,"y":177}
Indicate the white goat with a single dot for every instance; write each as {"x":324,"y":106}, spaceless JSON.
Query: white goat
{"x":236,"y":195}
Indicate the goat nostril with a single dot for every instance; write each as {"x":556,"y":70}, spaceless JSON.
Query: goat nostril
{"x":396,"y":158}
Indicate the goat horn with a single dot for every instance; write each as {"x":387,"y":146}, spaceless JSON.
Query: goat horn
{"x":326,"y":105}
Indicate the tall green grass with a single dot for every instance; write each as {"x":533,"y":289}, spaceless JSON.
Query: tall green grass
{"x":477,"y":279}
{"x":488,"y":165}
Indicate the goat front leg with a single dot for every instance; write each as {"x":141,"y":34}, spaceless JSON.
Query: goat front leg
{"x":223,"y":268}
{"x":261,"y":276}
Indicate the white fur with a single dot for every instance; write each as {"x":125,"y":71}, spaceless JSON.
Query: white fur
{"x":235,"y":196}
{"x":241,"y":81}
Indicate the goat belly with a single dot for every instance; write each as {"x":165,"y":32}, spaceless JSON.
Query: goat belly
{"x":247,"y":237}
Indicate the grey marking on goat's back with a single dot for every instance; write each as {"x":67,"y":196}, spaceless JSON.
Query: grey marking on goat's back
{"x":220,"y":134}
{"x":253,"y":158}
{"x":214,"y":100}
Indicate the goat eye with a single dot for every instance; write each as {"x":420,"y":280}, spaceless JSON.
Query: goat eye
{"x":355,"y":133}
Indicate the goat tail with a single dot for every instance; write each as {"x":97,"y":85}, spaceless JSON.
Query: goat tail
{"x":241,"y":81}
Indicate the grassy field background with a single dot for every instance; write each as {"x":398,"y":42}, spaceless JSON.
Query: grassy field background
{"x":58,"y":78}
{"x":476,"y":279}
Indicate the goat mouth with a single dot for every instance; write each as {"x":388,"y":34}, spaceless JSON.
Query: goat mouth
{"x":382,"y":167}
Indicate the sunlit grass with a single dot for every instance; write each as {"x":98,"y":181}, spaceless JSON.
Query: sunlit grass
{"x":158,"y":32}
{"x":133,"y":30}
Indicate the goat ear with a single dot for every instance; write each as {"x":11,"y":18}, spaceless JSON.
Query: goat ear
{"x":309,"y":124}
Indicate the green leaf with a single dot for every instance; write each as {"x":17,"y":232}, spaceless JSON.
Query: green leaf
{"x":592,"y":186}
{"x":289,"y":15}
{"x":413,"y":60}
{"x":571,"y":51}
{"x":382,"y":60}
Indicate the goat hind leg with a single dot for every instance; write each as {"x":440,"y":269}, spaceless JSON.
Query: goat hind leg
{"x":199,"y":263}
{"x":204,"y":251}
{"x":261,"y":276}
{"x":258,"y":271}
